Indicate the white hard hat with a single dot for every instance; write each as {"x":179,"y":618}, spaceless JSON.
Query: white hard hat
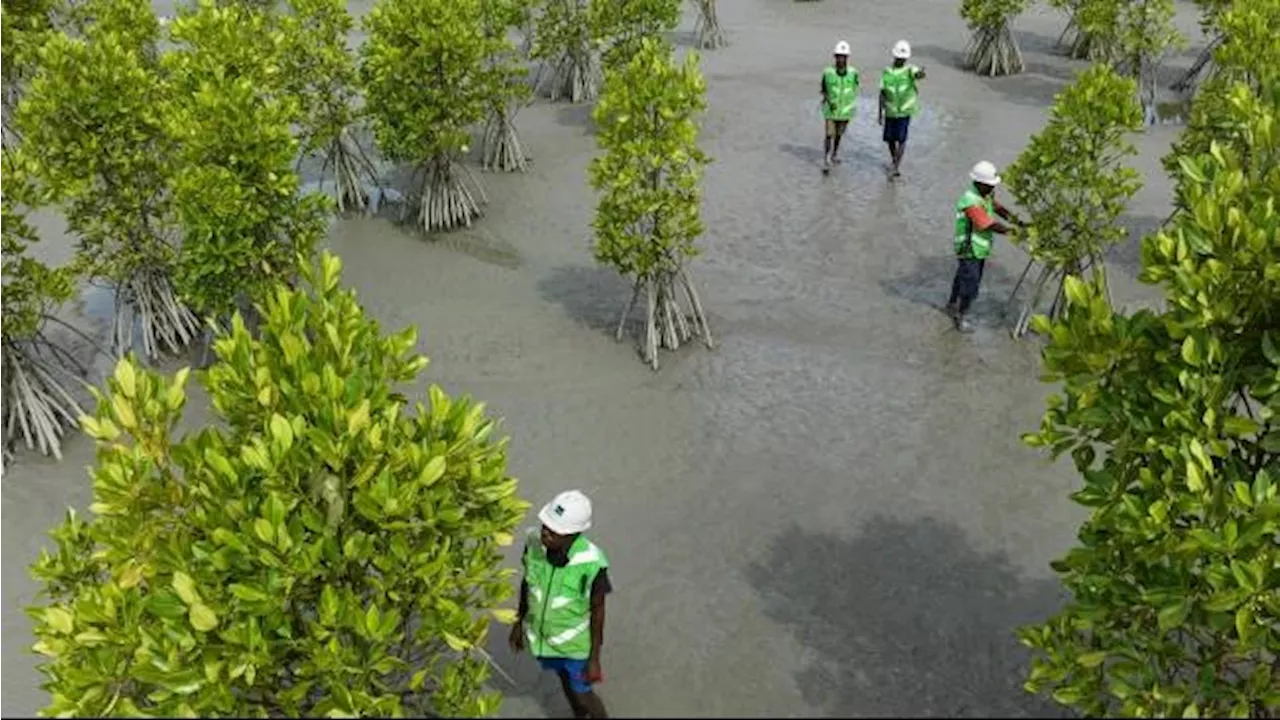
{"x":902,"y":49}
{"x":568,"y":513}
{"x":842,"y":48}
{"x":985,"y":173}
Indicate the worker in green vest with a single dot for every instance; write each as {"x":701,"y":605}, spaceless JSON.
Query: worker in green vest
{"x":561,"y":615}
{"x":899,"y":102}
{"x":975,"y":225}
{"x":839,"y":93}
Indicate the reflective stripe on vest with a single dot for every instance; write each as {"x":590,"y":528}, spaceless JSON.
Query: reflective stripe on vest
{"x":972,"y":243}
{"x":842,"y":91}
{"x":559,"y":612}
{"x":901,"y":96}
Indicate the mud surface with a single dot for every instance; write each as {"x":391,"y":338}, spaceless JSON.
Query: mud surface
{"x":831,"y":512}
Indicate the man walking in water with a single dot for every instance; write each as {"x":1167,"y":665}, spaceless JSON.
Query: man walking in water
{"x":839,"y":93}
{"x":974,"y":227}
{"x":899,"y":102}
{"x":561,"y":615}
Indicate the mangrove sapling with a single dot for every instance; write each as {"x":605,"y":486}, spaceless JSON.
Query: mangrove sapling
{"x":38,"y":405}
{"x":320,"y":72}
{"x":429,"y":77}
{"x":993,"y":50}
{"x":1143,"y":35}
{"x":500,"y":146}
{"x":1073,"y":184}
{"x":620,"y":25}
{"x":236,"y":196}
{"x":221,"y":533}
{"x":707,"y":28}
{"x":648,"y":220}
{"x":565,"y":40}
{"x":1080,"y":41}
{"x":1169,"y":416}
{"x":105,"y":158}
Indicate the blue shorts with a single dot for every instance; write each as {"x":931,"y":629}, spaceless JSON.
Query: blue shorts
{"x":895,"y":129}
{"x":575,"y":669}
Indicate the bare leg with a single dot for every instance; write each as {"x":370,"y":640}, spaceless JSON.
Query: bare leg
{"x":594,"y":705}
{"x":575,"y":702}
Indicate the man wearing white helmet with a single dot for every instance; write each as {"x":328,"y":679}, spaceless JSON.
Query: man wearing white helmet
{"x":561,"y":615}
{"x":975,"y":225}
{"x":899,"y":101}
{"x":839,"y":93}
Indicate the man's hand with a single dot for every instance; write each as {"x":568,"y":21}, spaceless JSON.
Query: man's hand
{"x":594,"y":673}
{"x":516,"y":639}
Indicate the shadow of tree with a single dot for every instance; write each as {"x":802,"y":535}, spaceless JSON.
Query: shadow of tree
{"x":906,"y":620}
{"x":593,"y":296}
{"x":579,"y":115}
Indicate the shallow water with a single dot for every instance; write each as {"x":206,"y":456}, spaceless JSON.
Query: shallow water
{"x":831,"y":512}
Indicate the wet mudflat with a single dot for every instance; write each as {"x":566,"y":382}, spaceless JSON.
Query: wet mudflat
{"x":831,"y":513}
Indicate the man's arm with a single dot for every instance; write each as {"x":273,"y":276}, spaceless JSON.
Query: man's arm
{"x":919,"y":74}
{"x":524,"y":601}
{"x":600,"y":587}
{"x":981,"y":221}
{"x":1006,"y":213}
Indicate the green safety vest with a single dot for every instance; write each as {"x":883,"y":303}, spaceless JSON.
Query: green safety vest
{"x":558,"y":620}
{"x":899,"y":84}
{"x":972,"y":243}
{"x":842,"y":91}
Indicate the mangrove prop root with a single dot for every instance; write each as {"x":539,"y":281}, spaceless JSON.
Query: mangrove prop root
{"x":669,"y":322}
{"x":1190,"y":79}
{"x":147,"y":300}
{"x":577,"y":77}
{"x":37,"y":406}
{"x":707,"y":29}
{"x":352,"y":173}
{"x":1080,"y":45}
{"x":450,"y":198}
{"x":1055,"y":277}
{"x":993,"y":51}
{"x":502,"y":149}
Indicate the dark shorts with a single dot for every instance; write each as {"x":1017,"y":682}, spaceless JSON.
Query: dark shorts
{"x":895,"y":129}
{"x":575,"y":669}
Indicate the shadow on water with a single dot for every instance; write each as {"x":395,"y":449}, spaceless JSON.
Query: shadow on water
{"x":852,"y":152}
{"x":593,"y":296}
{"x":906,"y":620}
{"x":929,"y":284}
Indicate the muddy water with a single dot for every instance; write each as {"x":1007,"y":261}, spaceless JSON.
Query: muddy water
{"x":830,"y":513}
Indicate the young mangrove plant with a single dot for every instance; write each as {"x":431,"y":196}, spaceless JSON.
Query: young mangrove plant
{"x":429,"y":78}
{"x":319,"y":522}
{"x":39,"y":407}
{"x":320,"y":72}
{"x":565,"y":40}
{"x":91,"y":125}
{"x":708,"y":30}
{"x":649,"y":178}
{"x":993,"y":50}
{"x":500,"y":147}
{"x":1074,"y":185}
{"x":620,"y":25}
{"x":235,"y":194}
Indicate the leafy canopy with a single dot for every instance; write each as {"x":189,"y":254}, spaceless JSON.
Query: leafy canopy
{"x":1248,"y":55}
{"x":1173,"y":420}
{"x":235,"y":193}
{"x":649,"y":175}
{"x":427,"y":77}
{"x":318,"y":70}
{"x":320,"y":550}
{"x":622,"y":24}
{"x":990,"y":13}
{"x":32,"y":290}
{"x":96,"y":143}
{"x":1071,"y":178}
